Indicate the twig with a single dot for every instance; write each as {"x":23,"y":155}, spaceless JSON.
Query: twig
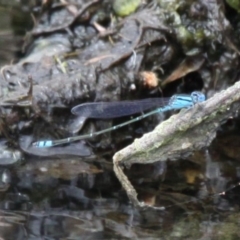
{"x":179,"y":136}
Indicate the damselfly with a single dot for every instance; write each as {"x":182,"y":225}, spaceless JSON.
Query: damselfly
{"x":108,"y":110}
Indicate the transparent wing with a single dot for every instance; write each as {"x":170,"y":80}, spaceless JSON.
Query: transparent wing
{"x":106,"y":110}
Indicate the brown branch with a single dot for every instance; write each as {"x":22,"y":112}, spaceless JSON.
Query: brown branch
{"x":179,"y":136}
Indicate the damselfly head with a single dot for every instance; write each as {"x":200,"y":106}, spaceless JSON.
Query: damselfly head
{"x":198,"y":97}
